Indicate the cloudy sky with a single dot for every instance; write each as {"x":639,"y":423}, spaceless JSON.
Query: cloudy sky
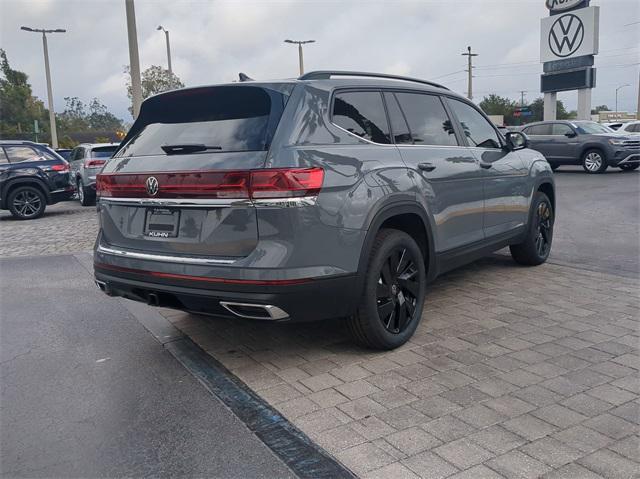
{"x":212,"y":41}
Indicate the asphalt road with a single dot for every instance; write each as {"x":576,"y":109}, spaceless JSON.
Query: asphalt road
{"x":88,"y":392}
{"x":598,"y":220}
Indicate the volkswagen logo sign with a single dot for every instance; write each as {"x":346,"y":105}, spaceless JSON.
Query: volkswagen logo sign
{"x":559,"y":5}
{"x":566,"y":35}
{"x":152,"y":186}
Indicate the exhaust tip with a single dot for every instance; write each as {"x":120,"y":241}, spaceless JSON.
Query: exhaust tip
{"x":104,"y":287}
{"x":153,"y":299}
{"x":255,"y":311}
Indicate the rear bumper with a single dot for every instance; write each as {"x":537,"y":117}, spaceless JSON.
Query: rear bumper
{"x":312,"y":300}
{"x":63,"y":195}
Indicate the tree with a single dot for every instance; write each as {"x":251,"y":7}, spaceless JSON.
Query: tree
{"x":155,"y":79}
{"x":499,"y":105}
{"x":18,"y":107}
{"x":537,"y":108}
{"x":599,"y":108}
{"x":78,"y":117}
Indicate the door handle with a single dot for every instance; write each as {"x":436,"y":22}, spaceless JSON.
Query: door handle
{"x":426,"y":166}
{"x":486,"y":166}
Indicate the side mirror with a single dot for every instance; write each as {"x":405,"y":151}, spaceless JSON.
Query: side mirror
{"x":571,"y":134}
{"x":516,"y":140}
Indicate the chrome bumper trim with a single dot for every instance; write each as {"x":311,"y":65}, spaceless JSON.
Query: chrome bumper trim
{"x":160,"y":257}
{"x":630,"y":159}
{"x":215,"y":203}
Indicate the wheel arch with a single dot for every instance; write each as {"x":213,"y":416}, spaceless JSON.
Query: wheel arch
{"x":409,"y":217}
{"x":11,"y":184}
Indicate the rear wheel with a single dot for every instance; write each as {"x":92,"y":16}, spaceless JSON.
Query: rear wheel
{"x":86,"y":196}
{"x":593,"y":161}
{"x":535,"y":249}
{"x":630,"y":167}
{"x":391,"y":305}
{"x":27,"y":203}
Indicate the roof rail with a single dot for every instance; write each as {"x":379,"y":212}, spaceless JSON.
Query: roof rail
{"x":326,"y":74}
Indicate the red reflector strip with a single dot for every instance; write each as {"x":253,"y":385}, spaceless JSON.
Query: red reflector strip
{"x":158,"y":274}
{"x":244,"y":184}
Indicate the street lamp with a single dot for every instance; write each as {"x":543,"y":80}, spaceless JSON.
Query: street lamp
{"x":300,"y":59}
{"x":621,"y":86}
{"x":52,"y":115}
{"x":166,"y":33}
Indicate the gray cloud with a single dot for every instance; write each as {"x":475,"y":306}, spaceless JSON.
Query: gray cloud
{"x":213,"y":40}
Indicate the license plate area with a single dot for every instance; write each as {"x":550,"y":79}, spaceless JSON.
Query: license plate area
{"x":161,"y":223}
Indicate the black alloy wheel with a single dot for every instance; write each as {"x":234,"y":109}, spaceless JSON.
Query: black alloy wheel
{"x":545,"y":224}
{"x":26,"y":203}
{"x":398,"y":291}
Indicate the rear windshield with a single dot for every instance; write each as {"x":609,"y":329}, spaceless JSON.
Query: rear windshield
{"x":103,"y":151}
{"x":223,"y":119}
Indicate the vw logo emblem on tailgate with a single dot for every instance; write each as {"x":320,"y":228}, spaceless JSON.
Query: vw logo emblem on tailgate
{"x":152,"y":186}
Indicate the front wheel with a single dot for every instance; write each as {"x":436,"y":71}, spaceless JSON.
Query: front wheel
{"x":593,"y":161}
{"x":535,"y":249}
{"x":27,"y":203}
{"x":630,"y":167}
{"x":391,"y":304}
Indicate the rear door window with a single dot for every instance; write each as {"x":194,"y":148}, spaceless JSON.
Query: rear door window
{"x":213,"y":119}
{"x":362,"y":113}
{"x":560,"y":129}
{"x":476,"y":128}
{"x":399,"y":127}
{"x":427,"y":118}
{"x":538,"y":130}
{"x":16,"y":154}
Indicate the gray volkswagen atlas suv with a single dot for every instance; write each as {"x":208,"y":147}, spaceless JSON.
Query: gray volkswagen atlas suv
{"x":338,"y":194}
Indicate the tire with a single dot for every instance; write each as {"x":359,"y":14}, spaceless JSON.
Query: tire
{"x":391,"y":304}
{"x":629,"y":167}
{"x":86,"y":196}
{"x":594,"y":161}
{"x":27,"y":203}
{"x":535,"y":249}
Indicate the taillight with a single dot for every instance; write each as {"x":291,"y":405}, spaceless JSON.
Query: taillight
{"x":286,"y":183}
{"x":246,"y":184}
{"x":61,"y":167}
{"x":94,"y":163}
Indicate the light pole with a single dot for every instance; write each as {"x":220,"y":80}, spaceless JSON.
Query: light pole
{"x":134,"y":59}
{"x":166,"y":33}
{"x":469,"y":56}
{"x":300,"y":57}
{"x":52,"y":115}
{"x":621,"y":86}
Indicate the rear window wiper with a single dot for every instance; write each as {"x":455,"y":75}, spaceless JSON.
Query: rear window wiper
{"x":188,"y":148}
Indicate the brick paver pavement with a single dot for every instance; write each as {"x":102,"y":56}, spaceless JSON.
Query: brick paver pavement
{"x":65,"y":228}
{"x":513,"y":372}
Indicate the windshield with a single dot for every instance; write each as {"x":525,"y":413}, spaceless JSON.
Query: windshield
{"x":592,"y":128}
{"x":206,"y":120}
{"x":103,"y":151}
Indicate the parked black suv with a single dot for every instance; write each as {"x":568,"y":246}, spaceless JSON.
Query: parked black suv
{"x":32,"y":176}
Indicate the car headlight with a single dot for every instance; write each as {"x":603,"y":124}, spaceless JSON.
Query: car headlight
{"x":616,"y":142}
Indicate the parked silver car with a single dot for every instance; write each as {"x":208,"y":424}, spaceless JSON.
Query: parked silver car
{"x":339,"y":194}
{"x":86,"y":160}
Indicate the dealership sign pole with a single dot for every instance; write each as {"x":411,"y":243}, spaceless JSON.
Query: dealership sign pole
{"x":569,"y":41}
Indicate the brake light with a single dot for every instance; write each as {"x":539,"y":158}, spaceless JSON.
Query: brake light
{"x":61,"y":167}
{"x":94,"y":163}
{"x":245,"y":184}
